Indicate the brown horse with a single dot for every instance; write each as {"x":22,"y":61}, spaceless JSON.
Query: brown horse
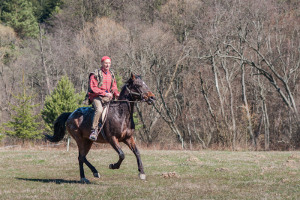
{"x":118,"y":127}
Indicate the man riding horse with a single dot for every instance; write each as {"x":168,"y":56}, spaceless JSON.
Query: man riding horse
{"x":102,"y":88}
{"x":118,"y":126}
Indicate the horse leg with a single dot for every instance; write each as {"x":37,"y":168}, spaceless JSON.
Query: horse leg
{"x":131,"y":144}
{"x":84,"y":146}
{"x":115,"y":144}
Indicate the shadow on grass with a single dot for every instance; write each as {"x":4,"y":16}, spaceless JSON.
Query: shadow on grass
{"x":57,"y":181}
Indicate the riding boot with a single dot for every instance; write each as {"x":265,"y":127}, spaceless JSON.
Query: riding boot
{"x":94,"y":135}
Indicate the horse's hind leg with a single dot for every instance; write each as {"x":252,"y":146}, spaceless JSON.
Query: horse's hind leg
{"x":84,"y":146}
{"x":131,"y":144}
{"x":115,"y":144}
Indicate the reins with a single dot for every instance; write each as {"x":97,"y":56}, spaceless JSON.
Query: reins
{"x":135,"y":93}
{"x":130,"y":93}
{"x":125,"y":101}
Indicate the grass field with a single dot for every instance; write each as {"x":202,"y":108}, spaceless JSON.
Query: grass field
{"x":54,"y":174}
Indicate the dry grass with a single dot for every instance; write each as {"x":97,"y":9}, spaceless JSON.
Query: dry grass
{"x":54,"y":174}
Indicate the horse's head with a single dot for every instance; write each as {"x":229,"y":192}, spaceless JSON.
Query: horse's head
{"x":138,"y":90}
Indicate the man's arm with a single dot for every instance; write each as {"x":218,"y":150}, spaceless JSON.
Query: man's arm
{"x":94,"y":86}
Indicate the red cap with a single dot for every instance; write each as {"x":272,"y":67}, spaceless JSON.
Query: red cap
{"x":104,"y":58}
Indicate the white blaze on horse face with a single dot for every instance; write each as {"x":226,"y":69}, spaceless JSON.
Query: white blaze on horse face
{"x":144,"y":84}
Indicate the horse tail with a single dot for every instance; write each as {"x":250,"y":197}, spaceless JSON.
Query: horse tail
{"x":59,"y":128}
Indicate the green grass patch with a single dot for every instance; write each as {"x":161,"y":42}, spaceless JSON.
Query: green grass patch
{"x":54,"y":174}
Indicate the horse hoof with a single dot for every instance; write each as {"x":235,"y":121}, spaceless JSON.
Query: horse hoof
{"x":96,"y":175}
{"x":111,"y":166}
{"x":84,"y":181}
{"x":142,"y":176}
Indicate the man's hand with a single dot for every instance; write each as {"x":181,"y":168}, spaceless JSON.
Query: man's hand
{"x":109,"y":95}
{"x":117,"y":96}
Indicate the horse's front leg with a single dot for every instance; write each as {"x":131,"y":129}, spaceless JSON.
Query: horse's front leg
{"x":115,"y":144}
{"x":131,"y":144}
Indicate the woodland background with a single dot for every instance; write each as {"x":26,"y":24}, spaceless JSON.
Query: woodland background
{"x":225,"y":72}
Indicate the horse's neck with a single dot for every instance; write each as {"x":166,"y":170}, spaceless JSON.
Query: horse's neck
{"x":125,"y":109}
{"x":124,"y":96}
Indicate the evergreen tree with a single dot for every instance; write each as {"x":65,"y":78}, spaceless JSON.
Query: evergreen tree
{"x":119,"y":81}
{"x":24,"y":124}
{"x":62,"y":99}
{"x":44,"y":9}
{"x":136,"y":121}
{"x":19,"y":15}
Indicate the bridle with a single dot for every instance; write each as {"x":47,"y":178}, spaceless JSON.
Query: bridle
{"x":139,"y":94}
{"x":131,"y":93}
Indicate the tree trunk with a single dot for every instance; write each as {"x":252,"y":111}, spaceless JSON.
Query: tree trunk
{"x":234,"y":133}
{"x":250,"y":129}
{"x":267,"y":126}
{"x":44,"y":62}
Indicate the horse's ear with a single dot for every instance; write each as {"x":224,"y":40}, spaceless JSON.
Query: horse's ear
{"x":132,"y":76}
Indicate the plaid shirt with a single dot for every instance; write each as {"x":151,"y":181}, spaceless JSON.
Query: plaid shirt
{"x":105,"y":87}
